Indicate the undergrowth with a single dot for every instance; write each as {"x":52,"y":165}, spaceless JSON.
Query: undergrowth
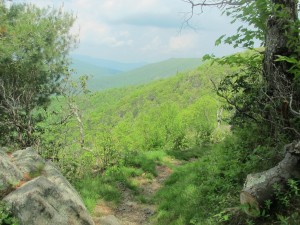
{"x":188,"y":154}
{"x":6,"y":216}
{"x":206,"y":191}
{"x":146,"y":161}
{"x":109,"y":184}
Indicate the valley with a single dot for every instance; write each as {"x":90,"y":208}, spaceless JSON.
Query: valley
{"x":104,"y":74}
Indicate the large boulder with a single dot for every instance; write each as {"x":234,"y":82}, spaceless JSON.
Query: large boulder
{"x":37,"y":193}
{"x":28,"y":161}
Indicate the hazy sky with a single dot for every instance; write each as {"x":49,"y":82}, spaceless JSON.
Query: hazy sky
{"x":144,"y":30}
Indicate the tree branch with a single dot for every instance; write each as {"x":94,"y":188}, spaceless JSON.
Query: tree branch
{"x":295,"y":113}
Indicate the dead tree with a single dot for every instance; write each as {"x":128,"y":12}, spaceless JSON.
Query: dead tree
{"x":259,"y":187}
{"x":16,"y":112}
{"x":71,"y":91}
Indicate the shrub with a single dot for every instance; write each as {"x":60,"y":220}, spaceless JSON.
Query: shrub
{"x":6,"y":216}
{"x":198,"y":192}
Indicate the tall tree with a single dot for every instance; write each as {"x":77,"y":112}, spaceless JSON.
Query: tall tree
{"x":281,"y":42}
{"x":34,"y":47}
{"x":275,"y":23}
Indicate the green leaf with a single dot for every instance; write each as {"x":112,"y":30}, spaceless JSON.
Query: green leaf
{"x":219,"y":40}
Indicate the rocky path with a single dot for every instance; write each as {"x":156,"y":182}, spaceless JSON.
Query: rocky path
{"x":132,"y":211}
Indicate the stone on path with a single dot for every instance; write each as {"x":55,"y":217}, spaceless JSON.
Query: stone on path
{"x":108,"y":220}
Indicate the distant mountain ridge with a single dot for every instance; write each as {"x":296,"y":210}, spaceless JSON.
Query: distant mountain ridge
{"x":109,"y":64}
{"x":82,"y":68}
{"x":153,"y":71}
{"x":110,"y":74}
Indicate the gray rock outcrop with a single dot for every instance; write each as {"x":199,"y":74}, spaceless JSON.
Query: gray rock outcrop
{"x":37,"y":193}
{"x":9,"y":174}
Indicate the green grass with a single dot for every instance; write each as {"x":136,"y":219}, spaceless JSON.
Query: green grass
{"x":198,"y":191}
{"x":92,"y":189}
{"x":107,"y":186}
{"x":190,"y":153}
{"x":146,"y":161}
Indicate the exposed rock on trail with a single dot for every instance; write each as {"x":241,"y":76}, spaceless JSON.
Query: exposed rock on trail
{"x":108,"y":220}
{"x":37,"y":193}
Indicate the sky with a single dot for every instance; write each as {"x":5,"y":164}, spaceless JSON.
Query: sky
{"x":144,"y":30}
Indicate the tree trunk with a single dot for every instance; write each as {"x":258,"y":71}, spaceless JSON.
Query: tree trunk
{"x":278,"y":34}
{"x":281,"y":39}
{"x":259,"y":187}
{"x":78,"y":116}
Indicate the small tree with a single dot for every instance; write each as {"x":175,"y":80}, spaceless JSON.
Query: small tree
{"x":34,"y":46}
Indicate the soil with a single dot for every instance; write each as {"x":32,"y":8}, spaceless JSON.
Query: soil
{"x":133,"y":210}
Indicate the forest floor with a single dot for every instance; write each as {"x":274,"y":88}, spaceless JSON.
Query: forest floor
{"x":135,"y":209}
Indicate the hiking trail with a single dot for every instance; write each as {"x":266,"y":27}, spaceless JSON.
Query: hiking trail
{"x":132,"y":211}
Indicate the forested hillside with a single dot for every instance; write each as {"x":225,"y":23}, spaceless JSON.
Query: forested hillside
{"x":174,"y":113}
{"x":124,"y":133}
{"x":101,"y":78}
{"x":81,"y":67}
{"x":128,"y":131}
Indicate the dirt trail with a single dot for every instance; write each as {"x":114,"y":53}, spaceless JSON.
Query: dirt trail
{"x":132,"y":211}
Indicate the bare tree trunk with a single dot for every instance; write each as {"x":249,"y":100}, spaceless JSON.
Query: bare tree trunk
{"x":219,"y":116}
{"x":78,"y":116}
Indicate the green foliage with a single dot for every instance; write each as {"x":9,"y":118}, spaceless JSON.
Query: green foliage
{"x":92,"y":189}
{"x":109,"y":185}
{"x":34,"y":44}
{"x":254,"y":15}
{"x":147,"y":161}
{"x":245,"y":91}
{"x":6,"y":217}
{"x":197,"y":192}
{"x":261,"y":90}
{"x":293,"y":61}
{"x":242,"y":87}
{"x":107,"y":138}
{"x":128,"y":131}
{"x":190,"y":153}
{"x":154,"y":117}
{"x":38,"y":171}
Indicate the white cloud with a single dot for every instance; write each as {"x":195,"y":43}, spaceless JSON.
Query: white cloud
{"x":116,"y":9}
{"x":101,"y":33}
{"x":144,"y":30}
{"x":183,"y":42}
{"x":152,"y":45}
